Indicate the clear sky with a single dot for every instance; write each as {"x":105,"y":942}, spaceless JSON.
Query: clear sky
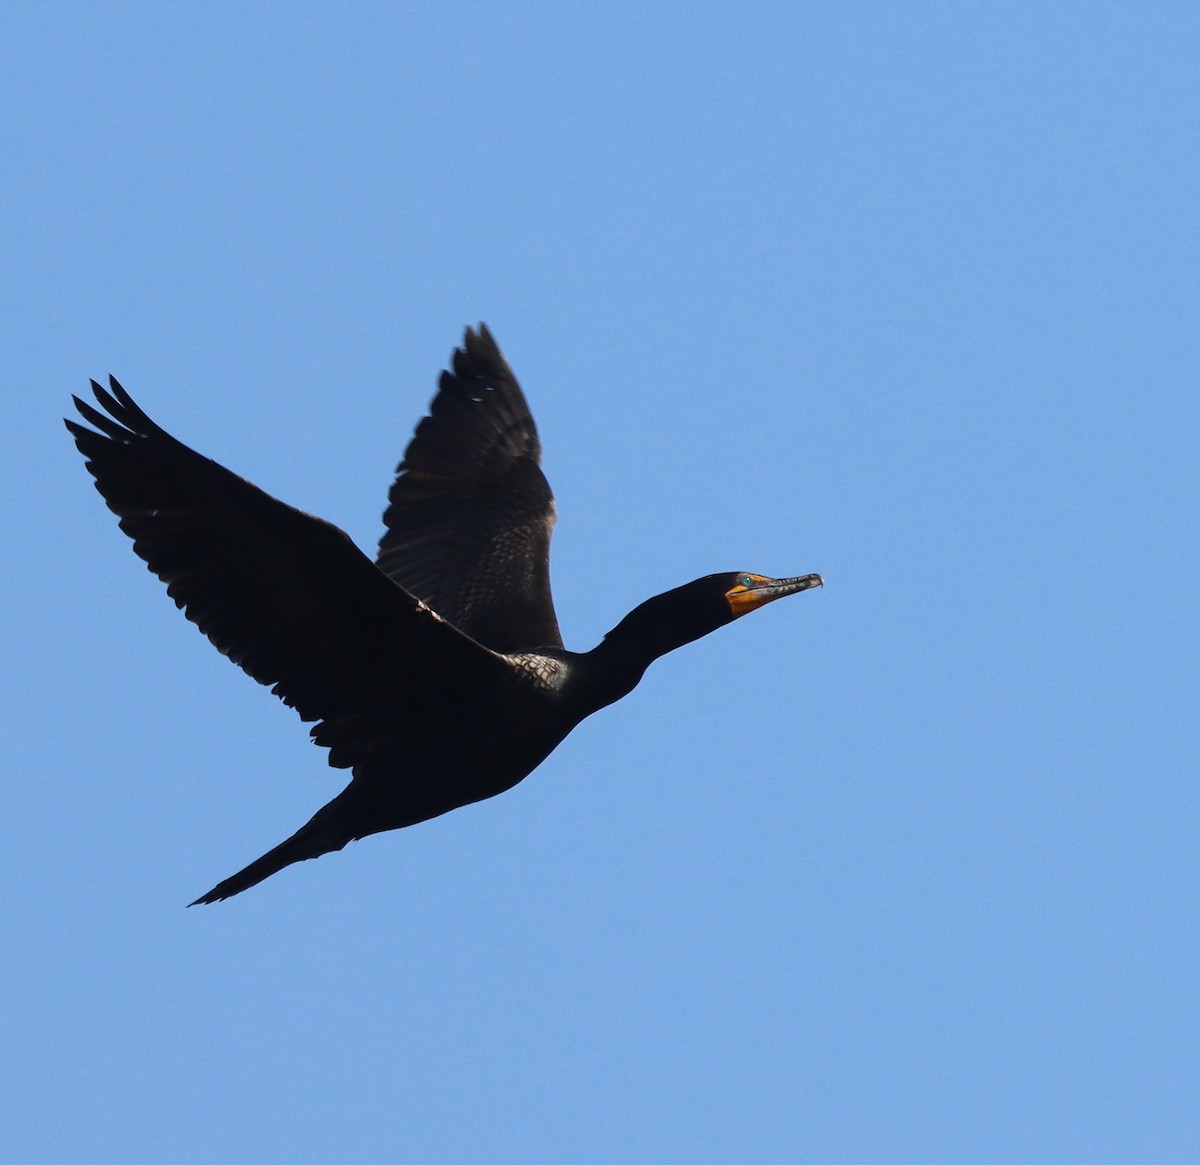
{"x":904,"y":870}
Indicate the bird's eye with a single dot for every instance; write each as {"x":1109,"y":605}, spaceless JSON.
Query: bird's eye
{"x":744,"y":580}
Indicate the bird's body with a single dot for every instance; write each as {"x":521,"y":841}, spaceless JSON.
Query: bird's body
{"x":436,"y":675}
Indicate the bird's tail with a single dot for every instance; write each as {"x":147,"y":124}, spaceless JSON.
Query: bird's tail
{"x":327,"y":831}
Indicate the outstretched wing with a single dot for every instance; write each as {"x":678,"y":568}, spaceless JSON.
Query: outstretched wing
{"x":286,"y":596}
{"x":470,"y":513}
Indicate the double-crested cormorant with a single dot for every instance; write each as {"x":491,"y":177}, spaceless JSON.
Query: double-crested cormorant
{"x":435,"y":674}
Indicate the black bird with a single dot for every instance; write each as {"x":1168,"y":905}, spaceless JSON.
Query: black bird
{"x":435,"y":674}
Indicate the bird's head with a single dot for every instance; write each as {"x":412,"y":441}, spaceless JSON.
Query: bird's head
{"x":744,"y":592}
{"x":679,"y":616}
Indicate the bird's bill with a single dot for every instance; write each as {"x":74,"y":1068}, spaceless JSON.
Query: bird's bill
{"x":755,"y":590}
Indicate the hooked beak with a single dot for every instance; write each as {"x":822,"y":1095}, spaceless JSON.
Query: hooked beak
{"x":743,"y":599}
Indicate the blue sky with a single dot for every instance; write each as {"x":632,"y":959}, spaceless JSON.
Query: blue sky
{"x":902,"y":870}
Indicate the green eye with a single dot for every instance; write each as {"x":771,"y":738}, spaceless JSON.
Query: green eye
{"x":744,"y":580}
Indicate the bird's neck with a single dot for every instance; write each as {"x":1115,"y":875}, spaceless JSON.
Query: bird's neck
{"x":615,"y":665}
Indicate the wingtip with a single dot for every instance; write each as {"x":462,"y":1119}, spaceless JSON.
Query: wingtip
{"x":217,"y":894}
{"x":119,"y":392}
{"x":480,"y":334}
{"x":73,"y":425}
{"x":106,"y":399}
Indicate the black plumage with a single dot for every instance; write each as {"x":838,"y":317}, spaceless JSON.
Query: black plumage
{"x":436,"y":675}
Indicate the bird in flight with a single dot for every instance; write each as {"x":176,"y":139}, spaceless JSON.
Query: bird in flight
{"x":436,"y":674}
